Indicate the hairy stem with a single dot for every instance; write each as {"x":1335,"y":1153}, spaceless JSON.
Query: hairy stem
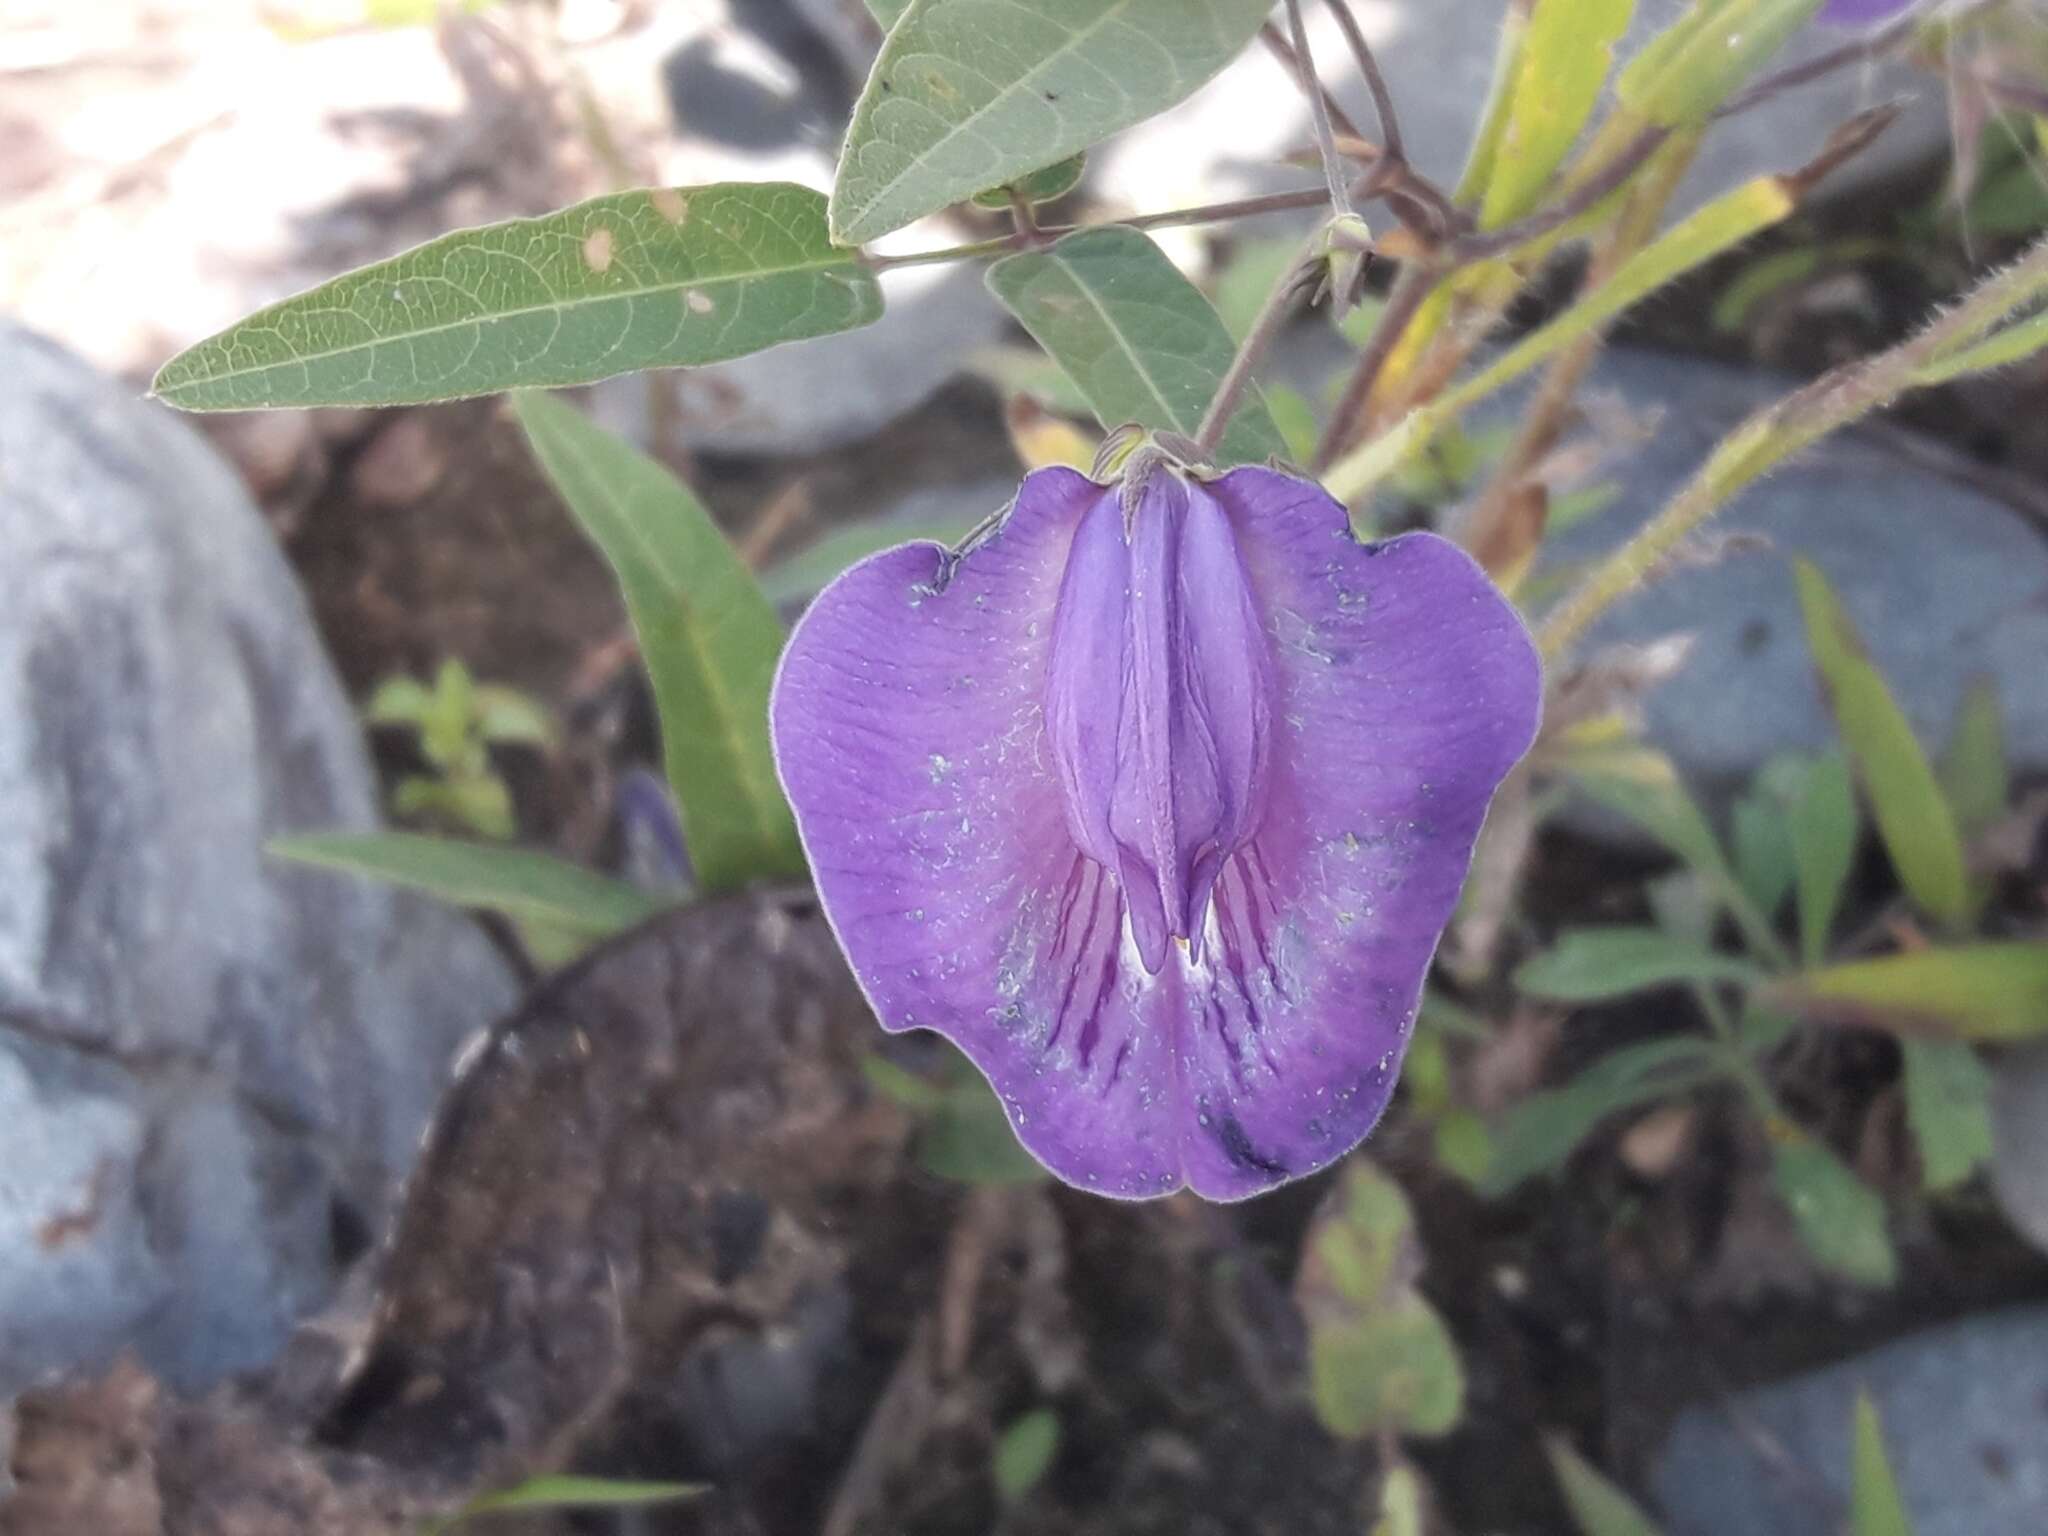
{"x":1775,"y":433}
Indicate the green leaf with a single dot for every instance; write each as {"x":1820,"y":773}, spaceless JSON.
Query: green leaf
{"x":1539,"y":1133}
{"x":1401,"y":1504}
{"x":563,"y":1491}
{"x":1048,"y":184}
{"x":1841,"y":1218}
{"x":399,"y":701}
{"x":1024,"y":1453}
{"x":804,"y":574}
{"x":1912,"y":814}
{"x":1598,"y":1507}
{"x":1948,"y":1105}
{"x":1398,"y":1371}
{"x":901,"y":1086}
{"x":1642,"y":786}
{"x":1136,"y":337}
{"x":1973,"y":773}
{"x":1764,"y":862}
{"x":710,"y":639}
{"x":1243,"y":286}
{"x":1380,"y":1359}
{"x":635,"y":280}
{"x":968,"y":94}
{"x":1591,"y":964}
{"x":519,"y":882}
{"x":1689,"y":69}
{"x":505,"y":715}
{"x":1875,"y":1505}
{"x":1720,"y":226}
{"x":1821,"y":826}
{"x":1563,"y":61}
{"x":965,"y":1135}
{"x":888,"y":12}
{"x":1969,"y":991}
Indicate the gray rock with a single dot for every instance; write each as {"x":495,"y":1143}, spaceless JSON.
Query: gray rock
{"x":1946,"y":583}
{"x":213,"y":1068}
{"x":1438,"y":57}
{"x":1965,"y":1414}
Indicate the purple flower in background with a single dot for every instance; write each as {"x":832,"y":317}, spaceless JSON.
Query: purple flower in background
{"x":1155,"y":801}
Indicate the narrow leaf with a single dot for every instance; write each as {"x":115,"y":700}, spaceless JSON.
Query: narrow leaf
{"x":1820,"y":818}
{"x":1841,"y":1218}
{"x":1948,"y":1106}
{"x":519,"y":882}
{"x":565,"y":1491}
{"x":1590,"y":964}
{"x":1024,"y":1453}
{"x":968,"y":94}
{"x":1690,"y":68}
{"x":1563,"y":62}
{"x":635,"y":280}
{"x":1764,"y":861}
{"x":1973,"y":773}
{"x":1875,"y":1505}
{"x":1912,"y":814}
{"x":1539,"y":1133}
{"x":710,"y":639}
{"x":1720,"y":226}
{"x":1969,"y":991}
{"x":1598,"y":1507}
{"x":1139,"y":340}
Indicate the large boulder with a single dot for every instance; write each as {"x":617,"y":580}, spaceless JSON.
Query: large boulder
{"x":214,"y":1069}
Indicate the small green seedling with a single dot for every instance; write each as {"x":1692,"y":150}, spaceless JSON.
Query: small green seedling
{"x":457,"y":722}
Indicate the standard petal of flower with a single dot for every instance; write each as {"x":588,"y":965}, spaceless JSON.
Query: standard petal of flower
{"x":910,"y":732}
{"x":1406,"y":688}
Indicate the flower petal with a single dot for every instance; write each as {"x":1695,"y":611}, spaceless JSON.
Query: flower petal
{"x":1406,"y":688}
{"x":911,"y":727}
{"x":909,"y":719}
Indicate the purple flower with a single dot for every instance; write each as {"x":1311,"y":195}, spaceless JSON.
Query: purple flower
{"x":1155,"y":801}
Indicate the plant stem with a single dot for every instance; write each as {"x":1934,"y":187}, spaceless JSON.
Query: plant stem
{"x":1410,"y":290}
{"x":1778,"y":431}
{"x":1318,"y":113}
{"x":1206,"y":213}
{"x":1375,"y":82}
{"x":1272,"y":315}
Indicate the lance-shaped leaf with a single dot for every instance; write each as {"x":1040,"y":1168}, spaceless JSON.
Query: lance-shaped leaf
{"x":521,"y":883}
{"x":1841,"y":1218}
{"x":635,"y":280}
{"x":968,"y":94}
{"x":1876,"y":1507}
{"x":1971,"y":991}
{"x":1590,"y":964}
{"x":1561,"y":64}
{"x":1913,"y":815}
{"x":1139,"y":340}
{"x":1948,"y":1105}
{"x":1543,"y":1130}
{"x":709,"y":637}
{"x":1598,"y":1507}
